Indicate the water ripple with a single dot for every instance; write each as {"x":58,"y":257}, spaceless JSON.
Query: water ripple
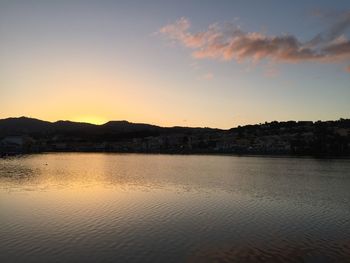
{"x":159,"y":208}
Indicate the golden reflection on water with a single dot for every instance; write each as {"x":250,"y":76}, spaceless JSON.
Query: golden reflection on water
{"x":136,"y":208}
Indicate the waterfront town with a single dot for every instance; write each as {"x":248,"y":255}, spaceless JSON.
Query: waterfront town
{"x":25,"y":135}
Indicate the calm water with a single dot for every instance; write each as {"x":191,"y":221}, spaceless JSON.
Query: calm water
{"x":168,"y":208}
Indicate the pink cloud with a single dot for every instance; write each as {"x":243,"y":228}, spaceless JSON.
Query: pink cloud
{"x":231,"y":43}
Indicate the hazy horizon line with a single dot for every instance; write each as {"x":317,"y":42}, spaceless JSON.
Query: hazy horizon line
{"x":145,"y":123}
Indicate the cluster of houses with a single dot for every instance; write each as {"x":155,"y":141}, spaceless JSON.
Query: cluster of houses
{"x":16,"y":144}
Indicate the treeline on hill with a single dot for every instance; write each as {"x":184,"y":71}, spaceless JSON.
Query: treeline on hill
{"x":330,"y":138}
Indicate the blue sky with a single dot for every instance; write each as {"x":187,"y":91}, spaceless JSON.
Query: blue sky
{"x":100,"y":60}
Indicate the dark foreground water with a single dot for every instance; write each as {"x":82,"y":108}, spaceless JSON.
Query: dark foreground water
{"x":168,"y":208}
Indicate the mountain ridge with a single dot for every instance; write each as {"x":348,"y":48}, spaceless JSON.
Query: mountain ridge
{"x":108,"y":123}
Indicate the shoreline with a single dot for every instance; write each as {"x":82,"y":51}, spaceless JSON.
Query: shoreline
{"x":299,"y":156}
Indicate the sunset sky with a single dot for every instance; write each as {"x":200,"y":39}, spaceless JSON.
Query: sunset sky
{"x":189,"y":63}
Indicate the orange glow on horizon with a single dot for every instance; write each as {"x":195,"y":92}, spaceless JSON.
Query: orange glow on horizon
{"x":91,"y":119}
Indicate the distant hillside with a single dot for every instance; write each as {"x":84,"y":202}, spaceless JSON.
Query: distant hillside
{"x":23,"y":125}
{"x":35,"y":127}
{"x":125,"y":126}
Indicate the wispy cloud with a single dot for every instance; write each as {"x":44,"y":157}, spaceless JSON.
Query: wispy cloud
{"x":334,"y":31}
{"x":230,"y":42}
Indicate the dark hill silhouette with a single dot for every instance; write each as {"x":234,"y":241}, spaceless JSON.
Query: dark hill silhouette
{"x":23,"y":125}
{"x":70,"y":126}
{"x":35,"y":127}
{"x":125,"y":126}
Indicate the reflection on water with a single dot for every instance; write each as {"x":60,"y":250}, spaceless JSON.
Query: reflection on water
{"x":168,"y":208}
